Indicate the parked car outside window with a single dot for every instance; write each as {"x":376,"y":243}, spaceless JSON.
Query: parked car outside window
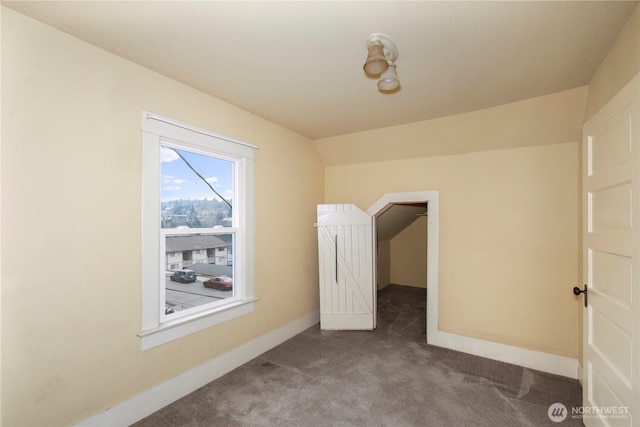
{"x":222,"y":283}
{"x":184,"y":276}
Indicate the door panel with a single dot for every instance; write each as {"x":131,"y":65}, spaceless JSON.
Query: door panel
{"x":612,"y":275}
{"x":608,"y":334}
{"x":611,"y":245}
{"x":610,"y":145}
{"x":611,"y":208}
{"x":345,"y":247}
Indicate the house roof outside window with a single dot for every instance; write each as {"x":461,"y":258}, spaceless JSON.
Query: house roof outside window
{"x":194,"y":243}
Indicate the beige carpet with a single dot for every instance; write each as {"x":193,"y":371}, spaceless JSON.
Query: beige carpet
{"x":386,"y":377}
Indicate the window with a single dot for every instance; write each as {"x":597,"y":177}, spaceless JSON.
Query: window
{"x":197,"y":230}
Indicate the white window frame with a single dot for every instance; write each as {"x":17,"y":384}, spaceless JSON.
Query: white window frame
{"x":158,"y":130}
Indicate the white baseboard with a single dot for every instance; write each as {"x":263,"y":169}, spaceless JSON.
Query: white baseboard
{"x":546,"y":362}
{"x":150,"y":401}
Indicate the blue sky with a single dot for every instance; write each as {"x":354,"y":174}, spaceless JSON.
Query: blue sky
{"x":180,"y":182}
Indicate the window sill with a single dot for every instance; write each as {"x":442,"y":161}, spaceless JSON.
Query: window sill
{"x":179,"y":328}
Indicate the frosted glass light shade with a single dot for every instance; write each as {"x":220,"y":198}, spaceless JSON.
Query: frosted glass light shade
{"x":389,"y":79}
{"x":376,"y":63}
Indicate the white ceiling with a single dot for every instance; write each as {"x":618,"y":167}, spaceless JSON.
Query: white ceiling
{"x":299,"y":64}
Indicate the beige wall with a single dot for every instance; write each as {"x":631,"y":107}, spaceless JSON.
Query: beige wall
{"x":508,"y":222}
{"x":409,"y":255}
{"x":1,"y":328}
{"x":71,"y":223}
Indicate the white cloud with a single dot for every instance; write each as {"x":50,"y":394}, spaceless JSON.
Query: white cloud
{"x":167,"y":155}
{"x":172,"y":188}
{"x":212,"y":179}
{"x":168,"y":179}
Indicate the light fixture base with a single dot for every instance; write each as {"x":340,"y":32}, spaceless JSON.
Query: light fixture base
{"x":388,"y":45}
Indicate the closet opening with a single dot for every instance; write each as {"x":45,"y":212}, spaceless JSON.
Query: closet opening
{"x":401,"y":267}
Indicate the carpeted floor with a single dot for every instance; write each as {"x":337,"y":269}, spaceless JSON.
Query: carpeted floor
{"x":386,"y":377}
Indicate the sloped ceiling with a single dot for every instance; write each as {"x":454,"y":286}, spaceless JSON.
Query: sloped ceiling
{"x":299,"y":64}
{"x":396,"y":218}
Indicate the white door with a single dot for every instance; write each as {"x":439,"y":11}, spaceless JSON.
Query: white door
{"x":611,"y":243}
{"x":345,"y":248}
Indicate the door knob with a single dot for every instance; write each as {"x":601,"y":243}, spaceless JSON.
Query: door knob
{"x":577,"y":291}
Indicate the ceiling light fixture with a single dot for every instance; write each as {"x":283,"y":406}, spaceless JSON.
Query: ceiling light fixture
{"x":381,"y":57}
{"x":389,"y":79}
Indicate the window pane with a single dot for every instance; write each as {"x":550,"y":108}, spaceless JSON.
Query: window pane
{"x":198,"y":270}
{"x":196,"y":189}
